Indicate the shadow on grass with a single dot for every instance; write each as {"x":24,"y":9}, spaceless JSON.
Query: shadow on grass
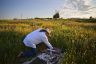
{"x":91,"y":27}
{"x":10,"y":45}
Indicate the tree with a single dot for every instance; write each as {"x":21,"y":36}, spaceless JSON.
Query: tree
{"x":56,"y":15}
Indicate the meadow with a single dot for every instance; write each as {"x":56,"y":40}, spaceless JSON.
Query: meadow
{"x":77,"y":39}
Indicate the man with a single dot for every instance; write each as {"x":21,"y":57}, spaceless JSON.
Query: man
{"x":34,"y":38}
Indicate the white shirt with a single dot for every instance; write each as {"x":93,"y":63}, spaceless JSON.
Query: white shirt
{"x":36,"y":37}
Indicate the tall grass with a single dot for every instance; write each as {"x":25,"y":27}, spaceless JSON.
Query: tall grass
{"x":78,"y":42}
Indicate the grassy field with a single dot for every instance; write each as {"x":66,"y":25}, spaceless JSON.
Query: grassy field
{"x":77,"y":39}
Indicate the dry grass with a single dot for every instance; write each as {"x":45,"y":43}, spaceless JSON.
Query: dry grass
{"x":77,"y":39}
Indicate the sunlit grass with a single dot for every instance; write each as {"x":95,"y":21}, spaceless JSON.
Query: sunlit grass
{"x":77,"y":39}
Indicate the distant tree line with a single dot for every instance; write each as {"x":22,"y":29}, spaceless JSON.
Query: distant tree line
{"x":90,"y":19}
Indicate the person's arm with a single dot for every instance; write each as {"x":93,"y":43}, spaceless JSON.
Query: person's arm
{"x":45,"y":40}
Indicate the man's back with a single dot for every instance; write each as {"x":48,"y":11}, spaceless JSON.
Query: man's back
{"x":35,"y":36}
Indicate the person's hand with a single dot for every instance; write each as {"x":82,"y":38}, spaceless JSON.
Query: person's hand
{"x":51,"y":50}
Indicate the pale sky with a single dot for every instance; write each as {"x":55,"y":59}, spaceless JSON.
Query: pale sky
{"x":46,"y":8}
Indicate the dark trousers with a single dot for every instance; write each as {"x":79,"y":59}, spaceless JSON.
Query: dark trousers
{"x":30,"y":53}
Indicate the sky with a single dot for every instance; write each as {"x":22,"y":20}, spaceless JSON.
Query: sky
{"x":10,"y":9}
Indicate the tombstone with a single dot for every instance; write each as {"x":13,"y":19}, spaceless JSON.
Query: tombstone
{"x":47,"y":57}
